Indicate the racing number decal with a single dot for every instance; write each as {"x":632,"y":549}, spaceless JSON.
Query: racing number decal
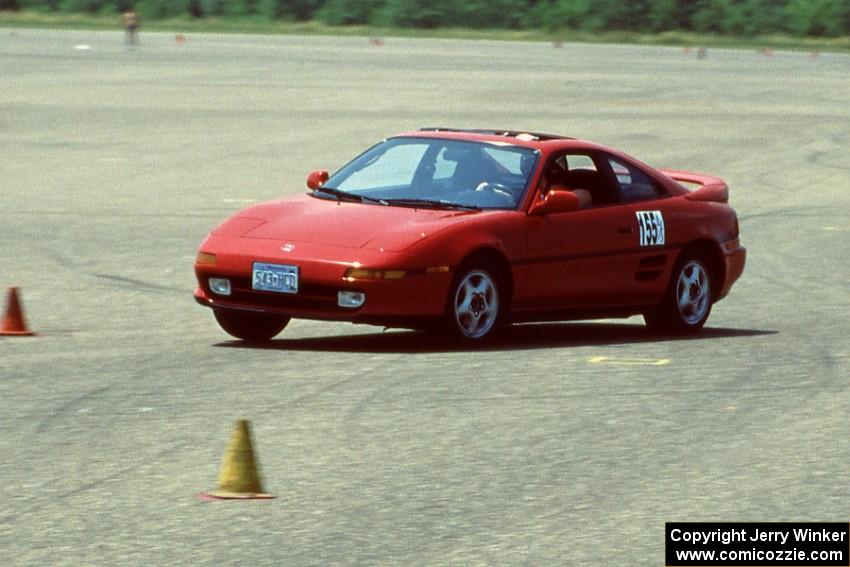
{"x":651,"y":228}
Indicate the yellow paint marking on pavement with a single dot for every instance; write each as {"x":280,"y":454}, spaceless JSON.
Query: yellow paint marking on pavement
{"x":625,"y":361}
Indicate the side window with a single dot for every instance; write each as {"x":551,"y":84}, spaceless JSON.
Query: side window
{"x":635,"y":185}
{"x":579,"y":161}
{"x":578,"y":173}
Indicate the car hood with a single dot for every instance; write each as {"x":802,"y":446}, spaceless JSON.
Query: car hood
{"x":342,"y":224}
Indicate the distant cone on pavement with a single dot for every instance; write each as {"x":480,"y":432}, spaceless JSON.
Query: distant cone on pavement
{"x":13,"y":323}
{"x":239,"y":477}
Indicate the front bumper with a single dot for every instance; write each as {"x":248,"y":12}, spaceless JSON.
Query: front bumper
{"x":417,"y":295}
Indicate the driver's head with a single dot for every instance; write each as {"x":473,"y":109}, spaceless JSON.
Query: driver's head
{"x":526,"y":164}
{"x":554,"y":175}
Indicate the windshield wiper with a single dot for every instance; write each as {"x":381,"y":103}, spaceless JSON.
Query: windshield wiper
{"x":431,"y":203}
{"x":346,"y":196}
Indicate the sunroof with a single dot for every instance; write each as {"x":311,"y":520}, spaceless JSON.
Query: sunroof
{"x":520,"y":134}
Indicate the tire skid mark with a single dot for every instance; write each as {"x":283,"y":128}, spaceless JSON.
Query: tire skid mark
{"x":54,"y":255}
{"x":775,"y":177}
{"x":819,"y":157}
{"x":137,"y":284}
{"x":792,"y":213}
{"x":664,"y":393}
{"x":111,"y":279}
{"x":768,"y":276}
{"x":60,"y":411}
{"x":213,"y":214}
{"x":311,"y":397}
{"x":779,"y":270}
{"x":87,"y":486}
{"x":108,"y":419}
{"x":378,"y":391}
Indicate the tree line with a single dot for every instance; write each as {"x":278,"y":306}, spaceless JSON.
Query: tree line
{"x":828,"y":18}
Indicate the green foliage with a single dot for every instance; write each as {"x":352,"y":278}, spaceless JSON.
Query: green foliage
{"x":211,"y":7}
{"x":238,"y":7}
{"x":300,"y":10}
{"x":663,"y":15}
{"x":345,"y":12}
{"x":554,"y":15}
{"x":90,"y":6}
{"x":34,"y":5}
{"x":490,"y":13}
{"x":709,"y":15}
{"x":159,"y":9}
{"x":729,"y":17}
{"x":417,"y":13}
{"x":819,"y":17}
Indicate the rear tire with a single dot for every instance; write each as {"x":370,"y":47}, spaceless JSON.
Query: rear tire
{"x":250,"y":326}
{"x":688,"y":299}
{"x":476,"y":302}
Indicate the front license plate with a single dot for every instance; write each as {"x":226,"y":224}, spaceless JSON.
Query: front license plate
{"x":279,"y":278}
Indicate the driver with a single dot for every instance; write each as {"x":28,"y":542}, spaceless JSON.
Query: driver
{"x":557,"y":177}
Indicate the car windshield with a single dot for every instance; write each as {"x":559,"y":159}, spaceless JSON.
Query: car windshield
{"x":433,"y":172}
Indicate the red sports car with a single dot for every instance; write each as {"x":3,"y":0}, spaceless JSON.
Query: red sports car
{"x":469,"y":230}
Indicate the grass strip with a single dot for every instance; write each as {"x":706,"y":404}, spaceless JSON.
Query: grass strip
{"x":258,"y":25}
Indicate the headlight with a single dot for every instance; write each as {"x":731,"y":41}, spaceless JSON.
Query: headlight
{"x":220,"y":286}
{"x":350,"y":299}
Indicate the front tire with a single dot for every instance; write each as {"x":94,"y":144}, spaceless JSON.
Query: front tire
{"x":250,"y":326}
{"x":688,"y":299}
{"x":476,"y":302}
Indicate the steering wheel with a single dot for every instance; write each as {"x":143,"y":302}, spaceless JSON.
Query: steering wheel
{"x":496,"y":189}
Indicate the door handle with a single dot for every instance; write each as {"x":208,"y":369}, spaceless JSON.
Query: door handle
{"x":625,"y":229}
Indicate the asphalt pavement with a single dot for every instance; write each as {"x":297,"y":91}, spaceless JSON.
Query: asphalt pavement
{"x":560,"y":444}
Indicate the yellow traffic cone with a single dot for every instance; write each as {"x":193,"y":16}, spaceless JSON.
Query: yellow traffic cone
{"x":239,"y":477}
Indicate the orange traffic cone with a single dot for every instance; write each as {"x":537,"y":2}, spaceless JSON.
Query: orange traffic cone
{"x":13,"y":323}
{"x":239,"y":478}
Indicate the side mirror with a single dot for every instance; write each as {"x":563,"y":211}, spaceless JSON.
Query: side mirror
{"x":317,"y":178}
{"x":556,"y":201}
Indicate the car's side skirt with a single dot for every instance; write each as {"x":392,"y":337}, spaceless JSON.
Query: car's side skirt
{"x":578,"y":314}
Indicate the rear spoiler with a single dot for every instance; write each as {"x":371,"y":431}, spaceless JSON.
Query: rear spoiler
{"x":710,"y":188}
